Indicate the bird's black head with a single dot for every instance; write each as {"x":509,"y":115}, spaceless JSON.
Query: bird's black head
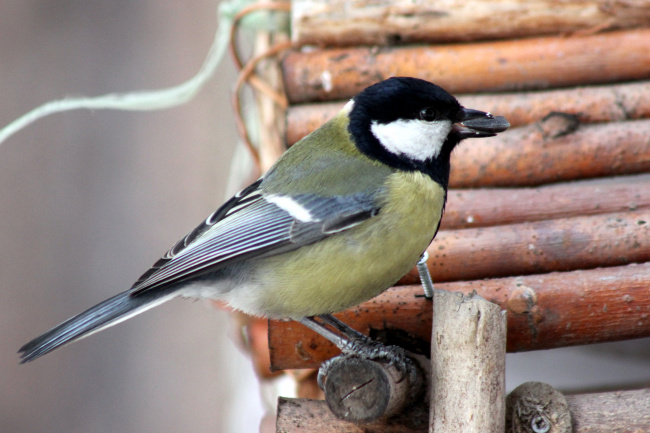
{"x":411,"y":124}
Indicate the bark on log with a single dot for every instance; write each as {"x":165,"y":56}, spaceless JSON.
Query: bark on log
{"x":591,"y":104}
{"x":544,"y":312}
{"x":468,"y":365}
{"x":467,"y":208}
{"x":540,"y":153}
{"x":345,"y":22}
{"x":620,"y":412}
{"x":552,"y":150}
{"x":313,"y":416}
{"x":538,"y":63}
{"x":544,"y":246}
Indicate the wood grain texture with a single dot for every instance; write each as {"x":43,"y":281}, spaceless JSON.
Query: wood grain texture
{"x":564,"y":244}
{"x":547,"y":152}
{"x":591,"y":104}
{"x":537,"y":63}
{"x":468,"y":365}
{"x":620,"y":412}
{"x":313,"y":416}
{"x":544,"y":311}
{"x":364,"y":391}
{"x":383,"y":22}
{"x":483,"y":207}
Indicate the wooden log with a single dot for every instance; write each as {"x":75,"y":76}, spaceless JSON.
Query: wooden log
{"x":313,"y":416}
{"x":344,"y":22}
{"x":537,"y":247}
{"x":591,"y":104}
{"x":485,"y":207}
{"x":537,"y":63}
{"x":468,"y":365}
{"x":616,"y":102}
{"x":552,"y":151}
{"x":540,"y":153}
{"x":364,"y":391}
{"x":544,"y":311}
{"x":537,"y":407}
{"x":619,"y":411}
{"x":467,"y":208}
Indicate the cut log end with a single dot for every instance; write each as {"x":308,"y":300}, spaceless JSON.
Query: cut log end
{"x":364,"y":391}
{"x":536,"y":407}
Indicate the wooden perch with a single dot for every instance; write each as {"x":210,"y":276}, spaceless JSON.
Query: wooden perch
{"x":468,"y":365}
{"x":534,"y":407}
{"x":484,"y":207}
{"x":323,"y":22}
{"x":544,"y":311}
{"x":544,"y":246}
{"x":538,"y":63}
{"x":365,"y":391}
{"x":620,"y":412}
{"x":552,"y":151}
{"x":313,"y":416}
{"x":615,"y":102}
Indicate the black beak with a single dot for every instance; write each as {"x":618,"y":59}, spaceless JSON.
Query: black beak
{"x":474,"y":123}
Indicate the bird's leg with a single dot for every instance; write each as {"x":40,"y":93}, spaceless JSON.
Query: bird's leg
{"x":425,"y":276}
{"x":324,"y":331}
{"x":350,"y":341}
{"x":350,"y":333}
{"x":353,"y":342}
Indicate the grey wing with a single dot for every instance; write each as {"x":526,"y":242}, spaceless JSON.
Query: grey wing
{"x":252,"y":225}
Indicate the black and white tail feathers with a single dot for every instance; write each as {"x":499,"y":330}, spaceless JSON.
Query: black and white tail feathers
{"x":101,"y":316}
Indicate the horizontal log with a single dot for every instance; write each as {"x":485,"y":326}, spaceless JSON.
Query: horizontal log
{"x":564,"y":244}
{"x":544,"y":311}
{"x":484,"y":207}
{"x":540,"y":153}
{"x":619,"y":411}
{"x":298,"y":415}
{"x":537,"y":63}
{"x":363,"y":22}
{"x":615,"y":102}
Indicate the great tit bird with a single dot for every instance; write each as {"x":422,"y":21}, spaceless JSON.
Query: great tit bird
{"x":340,"y":217}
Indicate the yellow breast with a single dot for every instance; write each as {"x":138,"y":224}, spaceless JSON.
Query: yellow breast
{"x":355,"y":265}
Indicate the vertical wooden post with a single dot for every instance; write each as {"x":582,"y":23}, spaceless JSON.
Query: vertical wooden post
{"x":468,"y":352}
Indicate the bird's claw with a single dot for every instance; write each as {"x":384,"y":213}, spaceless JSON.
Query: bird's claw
{"x":367,"y":348}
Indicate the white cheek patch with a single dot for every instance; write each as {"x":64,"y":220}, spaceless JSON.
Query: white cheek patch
{"x":291,"y":206}
{"x":414,"y":138}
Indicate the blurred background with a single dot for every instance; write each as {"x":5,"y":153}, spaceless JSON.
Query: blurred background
{"x":91,"y":199}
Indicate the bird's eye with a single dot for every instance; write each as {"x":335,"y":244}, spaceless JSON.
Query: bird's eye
{"x":428,"y":114}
